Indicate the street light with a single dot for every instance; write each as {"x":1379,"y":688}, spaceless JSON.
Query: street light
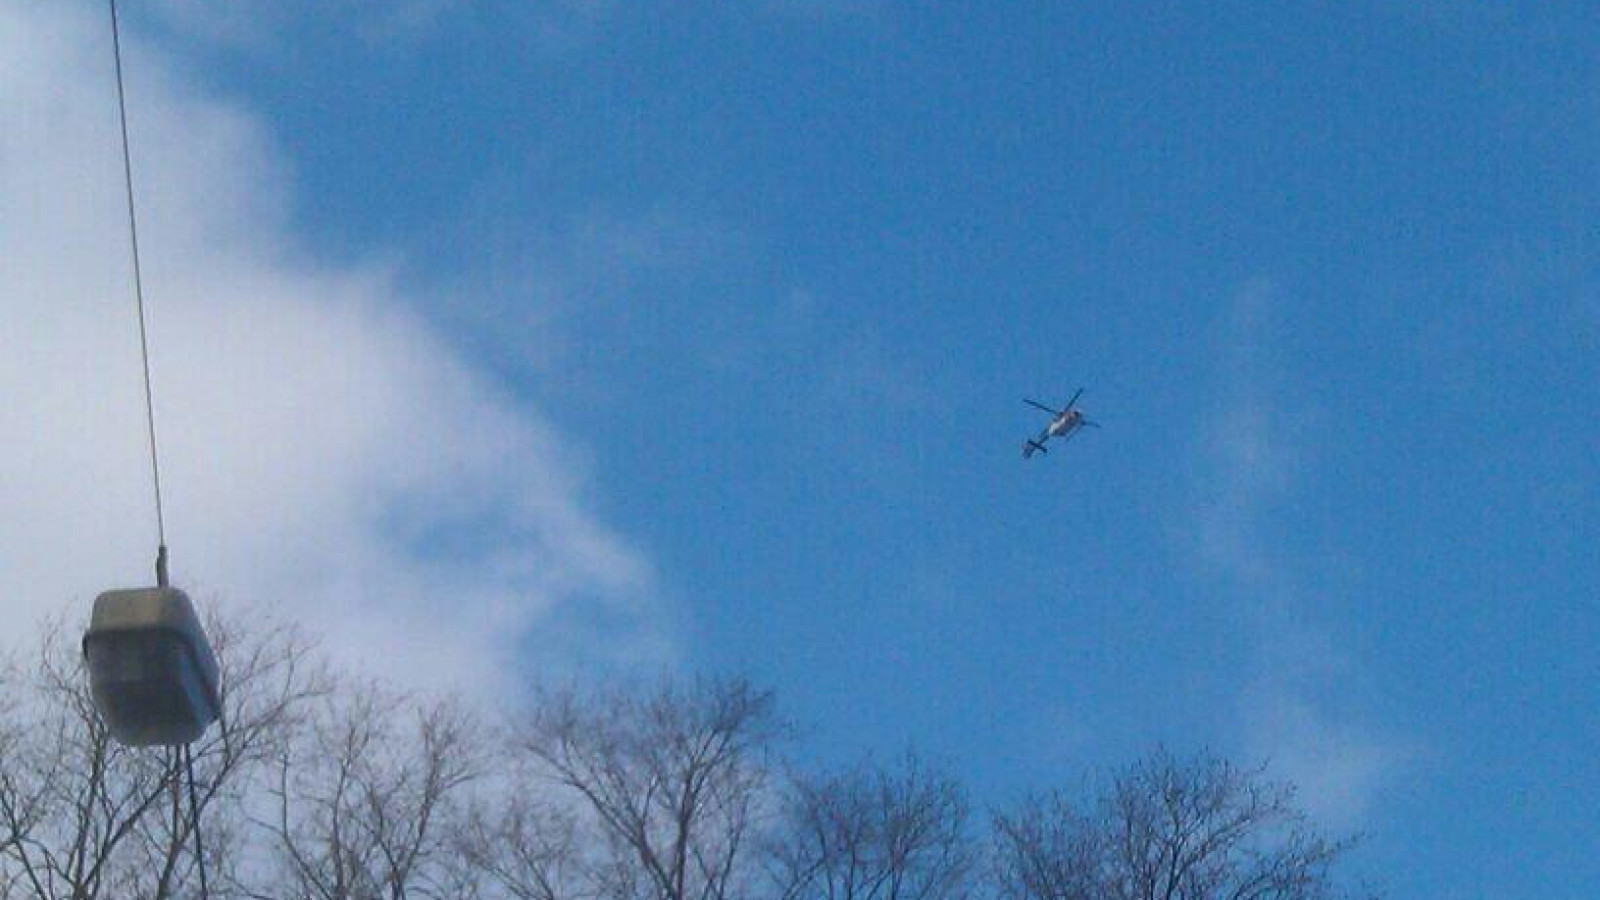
{"x":152,"y":673}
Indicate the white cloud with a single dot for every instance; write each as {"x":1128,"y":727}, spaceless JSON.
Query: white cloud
{"x":1337,"y":767}
{"x":325,"y":452}
{"x":1301,"y":707}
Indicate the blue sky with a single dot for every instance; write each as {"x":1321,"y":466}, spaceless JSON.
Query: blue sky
{"x":780,"y":274}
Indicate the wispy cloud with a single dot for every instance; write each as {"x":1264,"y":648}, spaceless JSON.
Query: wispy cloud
{"x":1300,"y":708}
{"x":328,"y":453}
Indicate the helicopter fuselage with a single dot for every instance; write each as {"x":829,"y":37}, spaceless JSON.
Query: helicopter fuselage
{"x":1064,"y":424}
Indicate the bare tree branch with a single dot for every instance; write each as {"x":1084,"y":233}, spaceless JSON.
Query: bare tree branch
{"x":671,"y":779}
{"x":1167,"y":829}
{"x":871,"y":833}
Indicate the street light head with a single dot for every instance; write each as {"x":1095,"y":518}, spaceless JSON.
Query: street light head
{"x":152,"y":672}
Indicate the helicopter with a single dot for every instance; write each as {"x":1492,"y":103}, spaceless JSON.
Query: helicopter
{"x":1066,"y":423}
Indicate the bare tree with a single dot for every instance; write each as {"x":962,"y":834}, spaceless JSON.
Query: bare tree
{"x":70,"y":797}
{"x":1168,"y":829}
{"x":870,"y":833}
{"x":314,"y":788}
{"x":671,"y":779}
{"x":524,"y":847}
{"x":365,"y":799}
{"x":270,"y":677}
{"x":83,"y":817}
{"x":1048,"y":850}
